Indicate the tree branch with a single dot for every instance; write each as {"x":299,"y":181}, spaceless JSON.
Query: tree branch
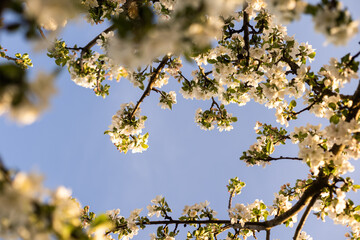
{"x":356,"y":104}
{"x":304,"y":216}
{"x":268,"y":234}
{"x":312,"y":190}
{"x":354,"y":113}
{"x":93,"y":42}
{"x":111,"y":28}
{"x":158,"y":91}
{"x":269,"y":159}
{"x":151,"y":83}
{"x":11,"y":58}
{"x":5,"y":174}
{"x":232,"y":194}
{"x":305,"y":109}
{"x":42,"y":34}
{"x":214,"y":103}
{"x":246,"y":34}
{"x":353,"y":58}
{"x":293,"y":66}
{"x":309,"y":193}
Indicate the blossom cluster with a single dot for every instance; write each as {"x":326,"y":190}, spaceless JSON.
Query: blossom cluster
{"x":253,"y":212}
{"x":51,"y":14}
{"x":259,"y":72}
{"x":198,"y":211}
{"x":89,"y":69}
{"x":335,"y":23}
{"x":269,"y":137}
{"x":304,"y":236}
{"x":334,"y":204}
{"x":176,"y":35}
{"x":313,"y":144}
{"x":159,"y":207}
{"x":200,"y":87}
{"x":166,"y":100}
{"x":98,"y":11}
{"x":126,"y":127}
{"x":287,"y":11}
{"x":207,"y":119}
{"x":24,"y":101}
{"x":30,"y":211}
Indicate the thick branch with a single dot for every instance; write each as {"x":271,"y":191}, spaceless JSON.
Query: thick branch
{"x":294,"y":67}
{"x":353,"y":114}
{"x":355,"y":111}
{"x":314,"y":189}
{"x":246,"y":34}
{"x":309,"y":193}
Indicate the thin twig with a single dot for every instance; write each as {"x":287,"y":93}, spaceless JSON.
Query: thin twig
{"x":253,"y":29}
{"x":214,"y":103}
{"x":93,"y":42}
{"x":353,"y":58}
{"x":305,"y":109}
{"x":98,"y":79}
{"x":158,"y":91}
{"x":88,"y":46}
{"x":232,"y":194}
{"x":151,"y":83}
{"x":11,"y":58}
{"x":42,"y":34}
{"x":180,"y":73}
{"x":269,"y":159}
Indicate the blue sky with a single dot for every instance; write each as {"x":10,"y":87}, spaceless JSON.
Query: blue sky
{"x":185,"y":164}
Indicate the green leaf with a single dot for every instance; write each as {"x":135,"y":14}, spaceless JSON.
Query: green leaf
{"x":292,"y":104}
{"x":12,"y":74}
{"x":332,"y":106}
{"x":270,"y":147}
{"x":312,"y":55}
{"x":58,"y":61}
{"x":335,"y":119}
{"x":345,"y":58}
{"x":101,"y":219}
